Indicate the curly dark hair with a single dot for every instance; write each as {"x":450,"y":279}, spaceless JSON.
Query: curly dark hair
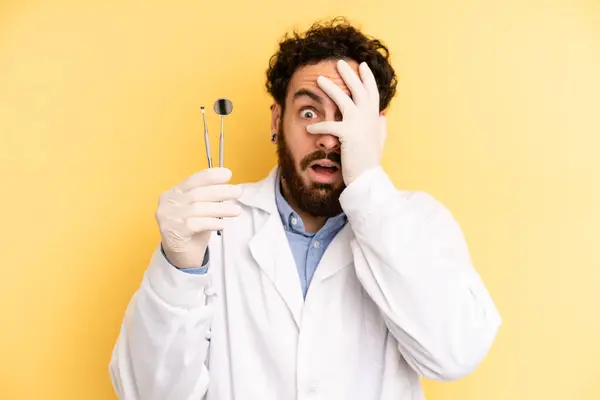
{"x":334,"y":39}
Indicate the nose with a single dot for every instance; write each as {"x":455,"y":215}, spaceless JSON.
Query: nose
{"x":328,"y":142}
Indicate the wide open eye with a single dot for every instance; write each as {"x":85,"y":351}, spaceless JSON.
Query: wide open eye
{"x":308,"y":113}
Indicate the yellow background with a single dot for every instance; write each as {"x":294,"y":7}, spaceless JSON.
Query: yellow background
{"x":497,"y":115}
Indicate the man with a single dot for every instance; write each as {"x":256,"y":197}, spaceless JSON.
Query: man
{"x":328,"y":282}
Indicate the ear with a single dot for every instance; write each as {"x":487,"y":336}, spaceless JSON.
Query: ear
{"x":275,"y":117}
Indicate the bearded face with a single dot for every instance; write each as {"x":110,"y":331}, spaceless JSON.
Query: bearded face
{"x":313,"y":197}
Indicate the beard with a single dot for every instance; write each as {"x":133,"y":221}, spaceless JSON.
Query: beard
{"x":317,"y":199}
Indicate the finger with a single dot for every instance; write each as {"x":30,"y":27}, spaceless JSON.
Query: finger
{"x":196,"y":225}
{"x":210,"y":210}
{"x":360,"y":95}
{"x":370,"y":83}
{"x":340,"y":98}
{"x":326,"y":127}
{"x":209,"y":176}
{"x":212,"y":193}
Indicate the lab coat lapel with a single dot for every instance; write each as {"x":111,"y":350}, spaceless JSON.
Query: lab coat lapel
{"x":272,"y":252}
{"x":338,"y":255}
{"x":269,"y":246}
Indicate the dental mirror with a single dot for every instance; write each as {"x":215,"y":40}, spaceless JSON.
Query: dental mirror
{"x":222,"y":107}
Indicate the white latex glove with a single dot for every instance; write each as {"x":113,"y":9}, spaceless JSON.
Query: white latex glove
{"x":188,"y":213}
{"x":362,"y":130}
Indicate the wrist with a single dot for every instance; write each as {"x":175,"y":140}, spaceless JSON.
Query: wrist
{"x":368,"y":193}
{"x":172,"y":260}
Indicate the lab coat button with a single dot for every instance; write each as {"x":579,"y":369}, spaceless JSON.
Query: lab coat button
{"x":210,"y":291}
{"x":208,"y":335}
{"x":312,"y":389}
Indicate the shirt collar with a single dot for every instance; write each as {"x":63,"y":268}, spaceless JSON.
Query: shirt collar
{"x":291,"y":220}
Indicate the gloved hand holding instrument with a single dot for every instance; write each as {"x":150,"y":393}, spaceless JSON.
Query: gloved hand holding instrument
{"x":188,"y":213}
{"x":222,"y":107}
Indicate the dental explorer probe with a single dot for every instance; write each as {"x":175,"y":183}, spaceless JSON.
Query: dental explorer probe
{"x":206,"y":139}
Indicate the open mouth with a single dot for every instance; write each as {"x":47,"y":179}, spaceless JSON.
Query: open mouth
{"x":325,"y":167}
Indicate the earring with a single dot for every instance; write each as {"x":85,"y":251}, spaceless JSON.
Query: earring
{"x":274,"y":137}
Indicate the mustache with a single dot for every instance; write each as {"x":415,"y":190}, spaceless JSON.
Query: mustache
{"x":320,"y":155}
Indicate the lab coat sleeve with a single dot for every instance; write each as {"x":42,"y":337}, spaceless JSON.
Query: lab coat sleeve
{"x":412,"y":260}
{"x":162,"y":347}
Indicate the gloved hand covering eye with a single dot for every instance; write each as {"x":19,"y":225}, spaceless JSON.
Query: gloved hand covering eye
{"x":362,"y":130}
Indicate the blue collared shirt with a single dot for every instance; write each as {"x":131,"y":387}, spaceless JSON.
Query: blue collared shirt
{"x":307,"y":247}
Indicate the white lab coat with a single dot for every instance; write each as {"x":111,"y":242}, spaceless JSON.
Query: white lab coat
{"x":394,"y":298}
